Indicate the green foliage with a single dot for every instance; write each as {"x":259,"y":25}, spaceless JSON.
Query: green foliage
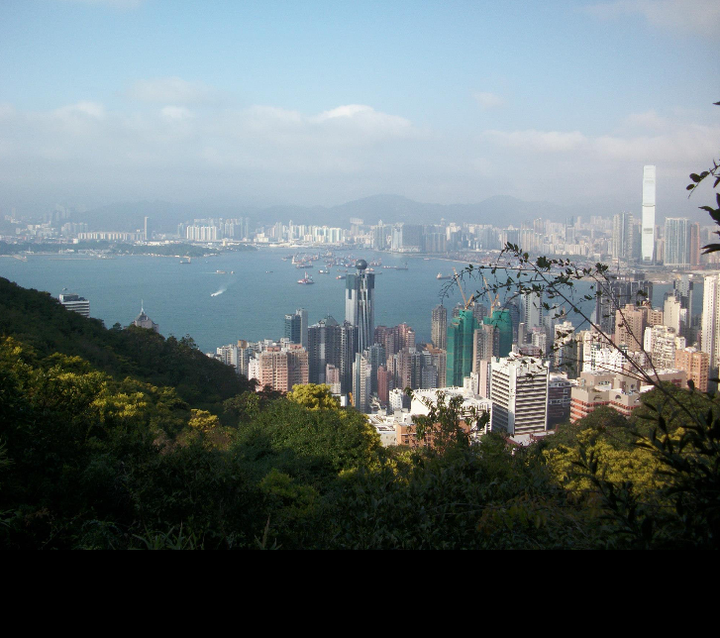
{"x":93,"y":456}
{"x":313,"y":397}
{"x":49,"y":328}
{"x":697,"y":178}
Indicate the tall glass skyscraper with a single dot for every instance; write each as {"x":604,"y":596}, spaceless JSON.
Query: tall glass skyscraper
{"x":296,"y":327}
{"x":648,"y":215}
{"x":360,"y":304}
{"x":677,"y":242}
{"x":460,"y":335}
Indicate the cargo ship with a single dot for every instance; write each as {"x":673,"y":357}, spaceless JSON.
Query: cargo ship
{"x":306,"y":280}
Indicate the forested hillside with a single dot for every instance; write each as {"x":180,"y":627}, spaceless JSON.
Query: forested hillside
{"x":120,"y":439}
{"x":41,"y":322}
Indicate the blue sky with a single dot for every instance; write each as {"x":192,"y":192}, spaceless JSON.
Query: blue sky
{"x":323,"y":102}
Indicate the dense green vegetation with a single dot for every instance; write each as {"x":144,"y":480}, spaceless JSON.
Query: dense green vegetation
{"x":122,"y":439}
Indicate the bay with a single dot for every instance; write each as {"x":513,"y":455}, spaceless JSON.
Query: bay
{"x":252,"y":301}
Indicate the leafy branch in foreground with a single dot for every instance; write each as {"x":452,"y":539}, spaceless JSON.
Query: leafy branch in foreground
{"x":697,"y":179}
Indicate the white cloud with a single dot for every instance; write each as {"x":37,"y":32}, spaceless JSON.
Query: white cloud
{"x":176,"y":113}
{"x":172,"y":90}
{"x":276,"y":154}
{"x":82,"y":109}
{"x":648,"y":120}
{"x":488,"y":100}
{"x":683,"y":145}
{"x":688,"y":16}
{"x":539,"y":141}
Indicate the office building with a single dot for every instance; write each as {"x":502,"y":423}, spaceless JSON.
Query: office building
{"x":296,"y":327}
{"x":362,"y":380}
{"x":622,"y":237}
{"x":519,"y":393}
{"x":648,"y":215}
{"x":695,"y":247}
{"x":75,"y":303}
{"x":360,"y":304}
{"x":334,"y":344}
{"x":710,"y":341}
{"x":677,"y":242}
{"x":532,"y":311}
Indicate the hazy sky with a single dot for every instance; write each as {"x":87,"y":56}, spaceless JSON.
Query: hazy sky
{"x":313,"y":102}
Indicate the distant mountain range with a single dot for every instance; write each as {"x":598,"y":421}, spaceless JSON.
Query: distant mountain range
{"x":500,"y":210}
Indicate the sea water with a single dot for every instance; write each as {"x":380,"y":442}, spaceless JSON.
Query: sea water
{"x":217,"y":309}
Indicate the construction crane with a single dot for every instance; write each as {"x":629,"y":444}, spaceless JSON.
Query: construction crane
{"x":468,"y":302}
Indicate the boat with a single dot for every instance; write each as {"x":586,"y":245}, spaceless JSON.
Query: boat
{"x":184,"y":261}
{"x":341,"y":277}
{"x":306,"y":280}
{"x":441,"y":277}
{"x":323,"y":271}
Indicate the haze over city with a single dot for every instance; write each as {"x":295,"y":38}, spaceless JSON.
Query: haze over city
{"x":320,"y":103}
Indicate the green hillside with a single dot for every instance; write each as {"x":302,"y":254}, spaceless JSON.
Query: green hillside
{"x":41,"y":322}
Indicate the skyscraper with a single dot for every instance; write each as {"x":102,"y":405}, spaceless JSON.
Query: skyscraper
{"x":360,"y":304}
{"x":362,"y":381}
{"x":438,"y":327}
{"x":334,"y":344}
{"x":677,"y":242}
{"x":519,"y":392}
{"x":648,"y":215}
{"x":532,"y":310}
{"x":296,"y":327}
{"x":622,"y":236}
{"x":501,"y":320}
{"x":711,"y":319}
{"x":460,"y":347}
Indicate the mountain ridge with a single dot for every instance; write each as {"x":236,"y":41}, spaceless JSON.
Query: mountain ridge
{"x":391,"y":209}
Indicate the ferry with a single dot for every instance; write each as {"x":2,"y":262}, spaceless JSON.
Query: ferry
{"x":306,"y":280}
